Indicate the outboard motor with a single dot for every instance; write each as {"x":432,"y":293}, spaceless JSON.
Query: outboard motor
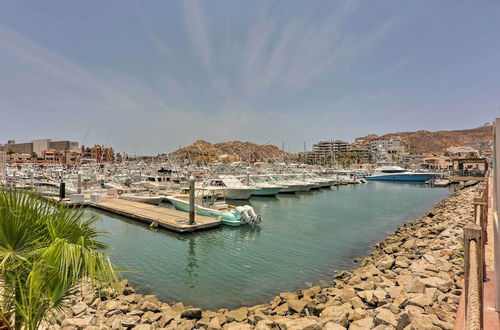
{"x":244,"y":214}
{"x":248,"y":214}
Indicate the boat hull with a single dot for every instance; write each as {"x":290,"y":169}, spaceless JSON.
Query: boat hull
{"x":267,"y":192}
{"x":291,"y":189}
{"x":239,"y":194}
{"x":227,"y":218}
{"x":142,"y":199}
{"x":406,"y":177}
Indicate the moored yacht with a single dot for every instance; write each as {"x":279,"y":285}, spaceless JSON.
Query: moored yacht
{"x":396,"y":173}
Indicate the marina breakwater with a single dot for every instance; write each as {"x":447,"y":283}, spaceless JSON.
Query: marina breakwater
{"x":412,"y":280}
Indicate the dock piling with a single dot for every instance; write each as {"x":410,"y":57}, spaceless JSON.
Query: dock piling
{"x":191,"y":201}
{"x":79,"y":184}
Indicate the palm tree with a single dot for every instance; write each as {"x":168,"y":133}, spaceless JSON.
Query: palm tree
{"x":46,"y":252}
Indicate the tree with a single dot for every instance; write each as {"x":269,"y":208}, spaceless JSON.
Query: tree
{"x":46,"y":251}
{"x":10,"y":152}
{"x":471,"y":155}
{"x":34,"y":155}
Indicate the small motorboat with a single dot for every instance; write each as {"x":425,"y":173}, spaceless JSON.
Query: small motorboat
{"x":229,"y":215}
{"x":151,"y":199}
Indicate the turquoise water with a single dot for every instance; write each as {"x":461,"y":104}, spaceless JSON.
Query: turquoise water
{"x":302,"y":241}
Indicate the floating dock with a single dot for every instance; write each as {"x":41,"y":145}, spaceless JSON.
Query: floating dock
{"x":165,"y":217}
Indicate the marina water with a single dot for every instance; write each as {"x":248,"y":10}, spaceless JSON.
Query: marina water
{"x":303,"y":240}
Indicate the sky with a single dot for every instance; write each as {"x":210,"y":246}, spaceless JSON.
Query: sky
{"x":149,"y":76}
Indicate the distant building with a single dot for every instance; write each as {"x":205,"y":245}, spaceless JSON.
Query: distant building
{"x":325,"y":152}
{"x":98,"y":154}
{"x":38,"y":146}
{"x":18,"y":148}
{"x":461,"y":151}
{"x":392,"y":147}
{"x":63,"y":145}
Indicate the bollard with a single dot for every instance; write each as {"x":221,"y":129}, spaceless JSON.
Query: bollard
{"x":79,"y":184}
{"x":191,"y":201}
{"x":62,"y":190}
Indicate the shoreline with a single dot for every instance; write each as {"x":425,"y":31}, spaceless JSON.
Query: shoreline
{"x":412,"y":279}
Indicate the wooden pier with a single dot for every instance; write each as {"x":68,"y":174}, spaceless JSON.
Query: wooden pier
{"x":165,"y":217}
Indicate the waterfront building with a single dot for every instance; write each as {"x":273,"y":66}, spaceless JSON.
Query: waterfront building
{"x":324,"y":152}
{"x":436,"y":162}
{"x":38,"y":146}
{"x":392,"y":147}
{"x":98,"y":153}
{"x":470,"y":164}
{"x":18,"y":148}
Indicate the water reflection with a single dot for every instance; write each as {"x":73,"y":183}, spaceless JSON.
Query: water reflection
{"x":192,"y":264}
{"x":302,"y":240}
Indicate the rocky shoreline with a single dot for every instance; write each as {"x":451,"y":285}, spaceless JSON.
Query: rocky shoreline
{"x":412,"y":280}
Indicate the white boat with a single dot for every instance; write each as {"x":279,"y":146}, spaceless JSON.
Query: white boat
{"x":232,"y":188}
{"x":229,"y":215}
{"x":396,"y":173}
{"x":153,"y":200}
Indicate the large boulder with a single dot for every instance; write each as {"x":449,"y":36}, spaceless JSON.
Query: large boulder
{"x":385,"y":317}
{"x":238,"y":315}
{"x":191,"y":314}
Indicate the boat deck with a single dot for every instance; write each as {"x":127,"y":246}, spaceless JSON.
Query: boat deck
{"x":167,"y":218}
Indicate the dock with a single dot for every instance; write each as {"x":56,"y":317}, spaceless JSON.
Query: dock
{"x":165,"y":217}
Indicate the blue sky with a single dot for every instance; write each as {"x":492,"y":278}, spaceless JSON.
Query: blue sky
{"x":149,"y":76}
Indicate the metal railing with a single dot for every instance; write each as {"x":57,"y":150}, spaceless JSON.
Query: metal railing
{"x":469,"y":173}
{"x":475,"y":238}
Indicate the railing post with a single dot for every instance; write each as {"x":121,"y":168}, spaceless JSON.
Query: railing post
{"x":474,"y":258}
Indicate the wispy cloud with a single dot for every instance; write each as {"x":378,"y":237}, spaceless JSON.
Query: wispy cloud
{"x":197,"y":26}
{"x":295,"y":55}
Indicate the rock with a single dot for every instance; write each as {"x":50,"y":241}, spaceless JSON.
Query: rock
{"x":311,"y":292}
{"x":112,"y":304}
{"x":150,"y":317}
{"x":191,"y":314}
{"x":178,"y":307}
{"x":281,"y":309}
{"x":436,"y":282}
{"x":362,"y":324}
{"x":385,"y":263}
{"x":298,"y":324}
{"x":166,"y":318}
{"x":297,"y":305}
{"x":385,"y":317}
{"x":337,"y":314}
{"x":415,"y":285}
{"x":129,"y":321}
{"x":333,"y":326}
{"x":78,"y":308}
{"x":403,"y":321}
{"x":237,"y":326}
{"x":238,"y":315}
{"x":421,"y":300}
{"x":373,"y":297}
{"x":358,"y":314}
{"x":214,"y":324}
{"x":81,"y":323}
{"x":421,"y":321}
{"x":429,"y":258}
{"x":143,"y":327}
{"x":149,"y":306}
{"x":356,"y":302}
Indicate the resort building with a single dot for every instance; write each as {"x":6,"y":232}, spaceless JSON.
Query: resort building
{"x":37,"y":146}
{"x":390,"y":146}
{"x":325,"y":152}
{"x":98,"y":153}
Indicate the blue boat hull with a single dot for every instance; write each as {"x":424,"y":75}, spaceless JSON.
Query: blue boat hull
{"x":413,"y":177}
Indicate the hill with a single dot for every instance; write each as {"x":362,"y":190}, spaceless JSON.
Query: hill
{"x":479,"y":138}
{"x":229,"y":152}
